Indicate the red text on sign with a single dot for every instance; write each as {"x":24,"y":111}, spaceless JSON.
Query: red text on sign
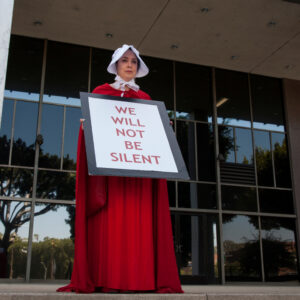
{"x":130,"y":132}
{"x":127,"y":121}
{"x":133,"y":145}
{"x":135,"y":158}
{"x":124,"y":110}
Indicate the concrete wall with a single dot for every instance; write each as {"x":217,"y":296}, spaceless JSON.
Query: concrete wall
{"x":6,"y":13}
{"x":291,"y":90}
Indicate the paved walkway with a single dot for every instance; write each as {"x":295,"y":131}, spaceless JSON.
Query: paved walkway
{"x":22,"y":291}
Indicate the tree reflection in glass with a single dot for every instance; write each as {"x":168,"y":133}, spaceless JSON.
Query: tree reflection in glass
{"x":16,"y":182}
{"x":244,"y":149}
{"x":14,"y":217}
{"x":5,"y":130}
{"x":25,"y":133}
{"x":72,"y":121}
{"x":241,"y":248}
{"x":52,"y":245}
{"x":226,"y":143}
{"x":281,"y":160}
{"x":279,"y":249}
{"x":263,"y":158}
{"x":56,"y":185}
{"x":51,"y":130}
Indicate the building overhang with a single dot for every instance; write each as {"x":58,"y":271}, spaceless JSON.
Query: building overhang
{"x":257,"y":36}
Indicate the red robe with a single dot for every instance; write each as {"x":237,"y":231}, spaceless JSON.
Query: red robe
{"x":123,"y":232}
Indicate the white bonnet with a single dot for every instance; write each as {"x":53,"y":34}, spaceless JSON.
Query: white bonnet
{"x":112,"y":68}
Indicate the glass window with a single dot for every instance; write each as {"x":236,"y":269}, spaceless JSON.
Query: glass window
{"x":241,"y":248}
{"x":100,"y":61}
{"x":56,"y":185}
{"x":51,"y":130}
{"x":197,"y":195}
{"x":66,"y":73}
{"x":5,"y":130}
{"x":25,"y":133}
{"x":53,"y":242}
{"x":24,"y":68}
{"x":159,"y":82}
{"x":193,"y":92}
{"x":244,"y":149}
{"x":239,"y":198}
{"x":267,"y":103}
{"x":232,"y":98}
{"x":73,"y":116}
{"x":16,"y":182}
{"x":172,"y":193}
{"x":276,"y":201}
{"x":281,"y":160}
{"x":226,"y":144}
{"x":236,"y":155}
{"x":263,"y":158}
{"x":196,"y":248}
{"x":14,"y":226}
{"x":279,"y":249}
{"x":186,"y":141}
{"x":205,"y":152}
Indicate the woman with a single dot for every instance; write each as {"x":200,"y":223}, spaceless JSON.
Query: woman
{"x":123,"y":233}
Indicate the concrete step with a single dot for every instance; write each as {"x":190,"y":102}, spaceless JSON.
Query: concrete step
{"x":22,"y":291}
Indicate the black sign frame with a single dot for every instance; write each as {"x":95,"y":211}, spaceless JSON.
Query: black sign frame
{"x":90,"y":149}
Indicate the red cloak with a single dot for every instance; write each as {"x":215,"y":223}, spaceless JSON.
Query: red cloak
{"x":123,"y":232}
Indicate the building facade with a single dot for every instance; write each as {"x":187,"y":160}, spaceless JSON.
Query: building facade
{"x":235,"y":220}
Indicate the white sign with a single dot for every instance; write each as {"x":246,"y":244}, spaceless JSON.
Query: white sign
{"x":129,"y":136}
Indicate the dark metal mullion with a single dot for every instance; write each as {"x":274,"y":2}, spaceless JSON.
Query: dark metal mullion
{"x":51,"y":103}
{"x":256,"y":182}
{"x":252,"y":213}
{"x":196,"y":150}
{"x":57,"y":170}
{"x":21,"y":199}
{"x":90,"y":70}
{"x":174,"y":97}
{"x":232,"y":212}
{"x":36,"y":160}
{"x":12,"y":133}
{"x":56,"y":201}
{"x":263,"y":277}
{"x":63,"y":140}
{"x":175,"y":124}
{"x":272,"y":156}
{"x":218,"y":177}
{"x":235,"y":147}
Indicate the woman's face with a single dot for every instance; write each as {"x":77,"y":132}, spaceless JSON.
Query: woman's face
{"x":127,"y":65}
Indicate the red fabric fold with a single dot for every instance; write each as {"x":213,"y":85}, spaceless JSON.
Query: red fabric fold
{"x":123,"y":232}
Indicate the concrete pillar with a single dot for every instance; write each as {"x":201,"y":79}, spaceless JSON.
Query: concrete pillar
{"x":291,"y":90}
{"x":6,"y":14}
